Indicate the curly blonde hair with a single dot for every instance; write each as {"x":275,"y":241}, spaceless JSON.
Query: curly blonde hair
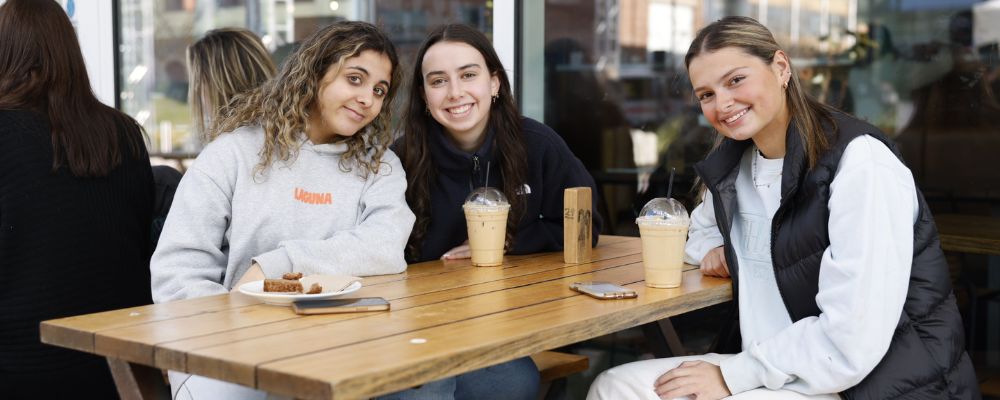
{"x":281,"y":106}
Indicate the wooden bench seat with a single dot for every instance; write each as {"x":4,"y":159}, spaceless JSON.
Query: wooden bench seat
{"x":553,"y":365}
{"x":990,"y":387}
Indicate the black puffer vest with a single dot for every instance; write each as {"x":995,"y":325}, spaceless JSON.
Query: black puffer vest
{"x":926,"y":358}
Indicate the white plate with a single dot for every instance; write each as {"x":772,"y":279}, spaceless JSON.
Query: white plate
{"x":256,"y":289}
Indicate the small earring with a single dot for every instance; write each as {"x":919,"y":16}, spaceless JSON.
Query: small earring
{"x":495,"y":96}
{"x":427,"y":110}
{"x":784,"y":85}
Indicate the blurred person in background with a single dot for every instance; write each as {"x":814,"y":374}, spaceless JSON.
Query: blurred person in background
{"x":224,"y":63}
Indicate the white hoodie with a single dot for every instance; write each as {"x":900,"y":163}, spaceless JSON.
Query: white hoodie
{"x":863,"y":279}
{"x":305,"y":215}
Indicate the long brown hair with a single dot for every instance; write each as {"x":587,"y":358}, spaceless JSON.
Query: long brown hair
{"x":747,"y":34}
{"x":224,"y":63}
{"x":281,"y":106}
{"x":504,"y":120}
{"x":42,"y":69}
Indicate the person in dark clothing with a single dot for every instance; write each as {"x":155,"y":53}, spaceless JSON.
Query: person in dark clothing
{"x":75,"y":205}
{"x":165,"y":182}
{"x":551,"y":168}
{"x":462,"y":131}
{"x":841,"y":288}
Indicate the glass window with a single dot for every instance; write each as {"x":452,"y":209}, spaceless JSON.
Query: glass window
{"x":925,"y":72}
{"x":155,"y":34}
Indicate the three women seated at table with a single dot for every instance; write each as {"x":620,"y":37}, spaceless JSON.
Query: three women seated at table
{"x":322,"y":126}
{"x":853,"y":297}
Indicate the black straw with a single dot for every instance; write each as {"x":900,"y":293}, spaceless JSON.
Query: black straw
{"x":670,"y":183}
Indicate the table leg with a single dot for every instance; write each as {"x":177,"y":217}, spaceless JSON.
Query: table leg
{"x":663,"y":339}
{"x":138,"y":382}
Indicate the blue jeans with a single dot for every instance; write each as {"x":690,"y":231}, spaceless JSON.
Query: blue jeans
{"x":513,"y":380}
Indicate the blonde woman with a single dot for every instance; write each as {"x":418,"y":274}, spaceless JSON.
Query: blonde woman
{"x":297,"y":178}
{"x":222,"y":64}
{"x":840,"y":285}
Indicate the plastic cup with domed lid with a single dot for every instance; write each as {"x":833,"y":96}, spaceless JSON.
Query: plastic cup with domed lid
{"x":663,"y":226}
{"x":486,"y":218}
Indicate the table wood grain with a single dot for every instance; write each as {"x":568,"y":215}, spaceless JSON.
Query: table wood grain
{"x":447,"y":318}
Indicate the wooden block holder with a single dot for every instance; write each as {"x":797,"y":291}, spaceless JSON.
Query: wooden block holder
{"x":577,"y":225}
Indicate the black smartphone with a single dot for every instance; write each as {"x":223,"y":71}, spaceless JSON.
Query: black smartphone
{"x":604,"y":290}
{"x":340,"y":305}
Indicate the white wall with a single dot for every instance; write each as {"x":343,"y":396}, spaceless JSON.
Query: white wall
{"x":503,"y":35}
{"x":94,"y":22}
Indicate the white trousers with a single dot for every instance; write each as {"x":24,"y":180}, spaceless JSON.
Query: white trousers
{"x":635,"y":381}
{"x":194,"y":387}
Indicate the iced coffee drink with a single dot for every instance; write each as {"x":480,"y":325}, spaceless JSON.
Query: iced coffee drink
{"x":663,"y":226}
{"x":486,"y":218}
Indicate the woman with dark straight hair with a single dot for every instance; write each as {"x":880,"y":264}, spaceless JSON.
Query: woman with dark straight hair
{"x":462,"y":130}
{"x":462,"y":124}
{"x":75,"y":204}
{"x":841,"y":288}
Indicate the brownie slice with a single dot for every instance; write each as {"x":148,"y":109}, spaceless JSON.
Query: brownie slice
{"x":282,"y":285}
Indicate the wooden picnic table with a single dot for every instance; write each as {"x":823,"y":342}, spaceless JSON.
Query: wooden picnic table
{"x":447,"y":318}
{"x":978,"y":234}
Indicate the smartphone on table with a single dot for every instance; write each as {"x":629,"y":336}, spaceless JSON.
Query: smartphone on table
{"x":340,"y":305}
{"x":604,"y":290}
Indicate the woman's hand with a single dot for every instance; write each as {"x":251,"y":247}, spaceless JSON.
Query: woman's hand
{"x":698,"y":379}
{"x":458,"y":253}
{"x":255,"y":273}
{"x":714,"y":263}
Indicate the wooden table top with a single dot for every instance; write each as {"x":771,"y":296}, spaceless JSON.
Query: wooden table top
{"x":978,"y":234}
{"x":447,"y":318}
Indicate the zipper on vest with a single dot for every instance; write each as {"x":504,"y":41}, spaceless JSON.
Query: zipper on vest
{"x":775,"y":224}
{"x":734,"y":312}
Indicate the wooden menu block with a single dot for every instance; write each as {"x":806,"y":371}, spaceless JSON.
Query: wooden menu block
{"x":577,"y":225}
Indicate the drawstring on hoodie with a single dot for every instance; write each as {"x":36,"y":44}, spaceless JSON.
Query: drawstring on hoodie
{"x":475,"y":172}
{"x":484,"y":181}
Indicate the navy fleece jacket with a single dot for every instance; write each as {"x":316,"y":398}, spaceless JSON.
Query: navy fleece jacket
{"x":552,"y":167}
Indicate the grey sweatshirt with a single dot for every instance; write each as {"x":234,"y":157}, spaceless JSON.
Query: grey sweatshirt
{"x":305,"y":215}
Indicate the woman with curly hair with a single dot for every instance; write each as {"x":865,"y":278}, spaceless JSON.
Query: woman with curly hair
{"x":297,"y":178}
